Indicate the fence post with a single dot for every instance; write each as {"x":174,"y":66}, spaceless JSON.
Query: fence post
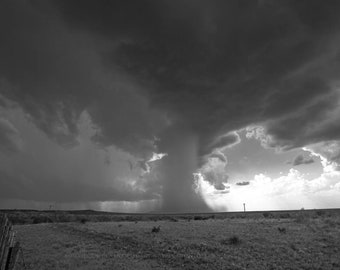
{"x":8,"y":253}
{"x":14,"y":256}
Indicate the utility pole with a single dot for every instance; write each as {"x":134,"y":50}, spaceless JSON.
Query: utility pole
{"x":244,"y":207}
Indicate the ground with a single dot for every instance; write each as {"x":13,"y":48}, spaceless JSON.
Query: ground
{"x":255,"y":242}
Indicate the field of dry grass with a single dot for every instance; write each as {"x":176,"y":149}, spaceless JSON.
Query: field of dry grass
{"x":251,"y":242}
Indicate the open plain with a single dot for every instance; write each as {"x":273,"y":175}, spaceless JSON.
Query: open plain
{"x":263,"y":240}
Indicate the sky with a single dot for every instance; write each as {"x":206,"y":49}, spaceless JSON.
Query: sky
{"x":170,"y":106}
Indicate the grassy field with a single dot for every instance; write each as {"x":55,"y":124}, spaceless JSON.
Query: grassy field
{"x":260,"y":240}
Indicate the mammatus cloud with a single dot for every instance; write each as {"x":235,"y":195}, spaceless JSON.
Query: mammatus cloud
{"x":301,"y":159}
{"x":155,"y":68}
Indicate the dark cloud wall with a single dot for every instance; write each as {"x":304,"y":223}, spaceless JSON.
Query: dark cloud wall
{"x":211,"y":67}
{"x":219,"y":66}
{"x":54,"y":74}
{"x":146,"y":69}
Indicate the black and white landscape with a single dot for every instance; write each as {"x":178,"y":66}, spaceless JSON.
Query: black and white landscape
{"x":170,"y":107}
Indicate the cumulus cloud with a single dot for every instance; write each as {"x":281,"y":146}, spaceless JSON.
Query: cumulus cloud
{"x":214,"y":171}
{"x":296,"y":182}
{"x":293,"y":190}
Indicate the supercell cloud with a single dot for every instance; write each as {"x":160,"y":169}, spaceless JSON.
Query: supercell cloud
{"x":174,"y":77}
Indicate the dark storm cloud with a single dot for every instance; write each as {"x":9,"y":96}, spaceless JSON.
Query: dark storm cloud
{"x":244,"y":183}
{"x":56,"y":74}
{"x":219,"y":66}
{"x":146,"y":69}
{"x":301,"y":159}
{"x":220,"y":186}
{"x":212,"y":67}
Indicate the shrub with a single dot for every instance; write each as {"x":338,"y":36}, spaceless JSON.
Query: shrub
{"x":233,"y":240}
{"x":282,"y":230}
{"x":201,"y":217}
{"x":83,"y":220}
{"x":293,"y":247}
{"x":267,"y":214}
{"x":41,"y":219}
{"x":330,"y":222}
{"x":156,"y":229}
{"x":302,"y":218}
{"x":155,"y":218}
{"x":320,"y":213}
{"x":63,"y":218}
{"x":103,"y":218}
{"x":19,"y":220}
{"x":284,"y":215}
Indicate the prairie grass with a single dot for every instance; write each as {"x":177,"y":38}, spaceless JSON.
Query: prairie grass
{"x":229,"y":243}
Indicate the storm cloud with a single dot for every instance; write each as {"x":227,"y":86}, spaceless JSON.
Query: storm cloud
{"x":152,"y":74}
{"x":244,"y":183}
